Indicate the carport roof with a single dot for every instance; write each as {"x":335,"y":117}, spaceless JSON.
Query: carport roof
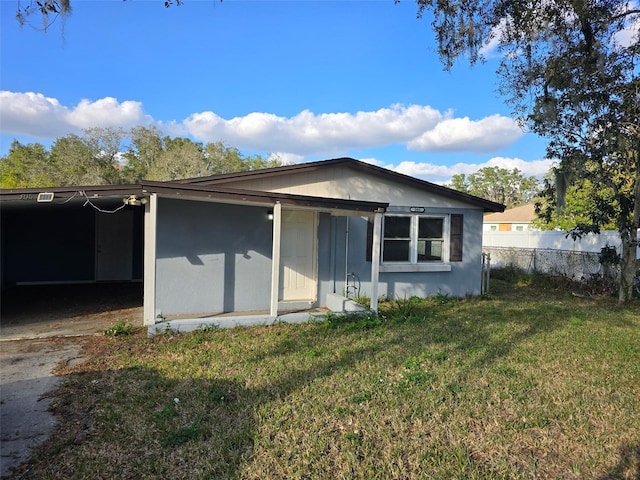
{"x":29,"y":196}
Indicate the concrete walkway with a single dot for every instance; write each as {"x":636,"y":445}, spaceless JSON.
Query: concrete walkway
{"x":41,"y":327}
{"x":25,"y":377}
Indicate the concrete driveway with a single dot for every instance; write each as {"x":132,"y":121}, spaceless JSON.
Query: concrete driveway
{"x":25,"y":378}
{"x":40,"y":329}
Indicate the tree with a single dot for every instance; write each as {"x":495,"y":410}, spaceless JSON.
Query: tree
{"x":571,"y":75}
{"x":180,"y":158}
{"x":26,"y":166}
{"x":96,"y":158}
{"x":580,"y":201}
{"x":48,"y":10}
{"x":154,"y":157}
{"x":90,"y":159}
{"x":146,"y":145}
{"x":509,"y":187}
{"x":51,"y":10}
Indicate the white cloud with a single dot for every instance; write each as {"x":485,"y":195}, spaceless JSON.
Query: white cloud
{"x":630,"y":33}
{"x":418,"y":127}
{"x":462,"y":134}
{"x":33,"y":114}
{"x":489,"y":48}
{"x":442,"y":173}
{"x":309,"y":133}
{"x":286,"y":158}
{"x":107,"y":112}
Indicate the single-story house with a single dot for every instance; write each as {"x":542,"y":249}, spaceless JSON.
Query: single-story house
{"x":262,"y":242}
{"x":517,"y":219}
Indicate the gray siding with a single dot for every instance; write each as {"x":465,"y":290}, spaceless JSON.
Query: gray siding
{"x":212,"y":258}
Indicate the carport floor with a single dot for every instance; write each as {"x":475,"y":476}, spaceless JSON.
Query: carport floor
{"x":38,"y":311}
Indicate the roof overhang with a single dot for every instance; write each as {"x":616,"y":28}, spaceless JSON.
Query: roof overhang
{"x":28,"y":197}
{"x":221,"y":194}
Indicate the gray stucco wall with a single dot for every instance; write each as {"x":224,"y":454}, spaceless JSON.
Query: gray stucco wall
{"x":463,"y":279}
{"x":212,"y":258}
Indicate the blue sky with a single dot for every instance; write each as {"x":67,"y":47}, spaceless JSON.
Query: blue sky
{"x":306,"y":80}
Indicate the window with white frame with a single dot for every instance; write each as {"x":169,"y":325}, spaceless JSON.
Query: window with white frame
{"x":415,"y":242}
{"x":414,"y":239}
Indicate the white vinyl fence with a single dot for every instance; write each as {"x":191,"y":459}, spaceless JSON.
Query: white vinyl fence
{"x":552,"y":240}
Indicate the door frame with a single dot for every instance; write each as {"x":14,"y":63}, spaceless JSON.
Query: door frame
{"x":313,"y":252}
{"x":126,"y":259}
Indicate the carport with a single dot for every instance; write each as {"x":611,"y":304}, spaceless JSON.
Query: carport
{"x":69,"y":253}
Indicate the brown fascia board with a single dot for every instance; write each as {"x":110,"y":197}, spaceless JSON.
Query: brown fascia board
{"x":91,"y":191}
{"x":267,"y":198}
{"x":186,"y":190}
{"x":487,"y":205}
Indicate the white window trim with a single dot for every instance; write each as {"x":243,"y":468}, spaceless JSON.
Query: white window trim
{"x":417,"y":267}
{"x":413,"y":265}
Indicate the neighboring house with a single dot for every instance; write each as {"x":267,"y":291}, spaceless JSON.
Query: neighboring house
{"x":516,"y":219}
{"x":263,"y":242}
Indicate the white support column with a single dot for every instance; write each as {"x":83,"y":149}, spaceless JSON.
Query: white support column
{"x":375,"y":260}
{"x":150,"y":222}
{"x":275,"y":259}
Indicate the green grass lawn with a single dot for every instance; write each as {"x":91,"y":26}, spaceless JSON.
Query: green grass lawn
{"x":529,"y":382}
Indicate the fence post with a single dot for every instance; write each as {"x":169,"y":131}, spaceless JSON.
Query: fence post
{"x":535,"y":266}
{"x":482,"y":274}
{"x":486,"y":270}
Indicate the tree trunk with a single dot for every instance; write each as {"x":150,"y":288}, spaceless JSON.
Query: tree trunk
{"x":628,"y":269}
{"x":628,"y":262}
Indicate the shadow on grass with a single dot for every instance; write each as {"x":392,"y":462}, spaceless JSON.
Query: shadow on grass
{"x":628,"y":466}
{"x":137,"y":423}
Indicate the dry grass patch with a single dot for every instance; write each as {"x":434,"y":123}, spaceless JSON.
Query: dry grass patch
{"x":530,"y":382}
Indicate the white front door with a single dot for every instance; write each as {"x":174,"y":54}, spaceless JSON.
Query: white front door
{"x":298,"y":256}
{"x":114,"y":246}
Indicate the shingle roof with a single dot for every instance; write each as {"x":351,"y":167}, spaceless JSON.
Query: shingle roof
{"x":522,"y":214}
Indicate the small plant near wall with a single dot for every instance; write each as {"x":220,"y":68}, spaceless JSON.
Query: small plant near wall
{"x":609,"y":257}
{"x":605,"y":283}
{"x":120,"y":328}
